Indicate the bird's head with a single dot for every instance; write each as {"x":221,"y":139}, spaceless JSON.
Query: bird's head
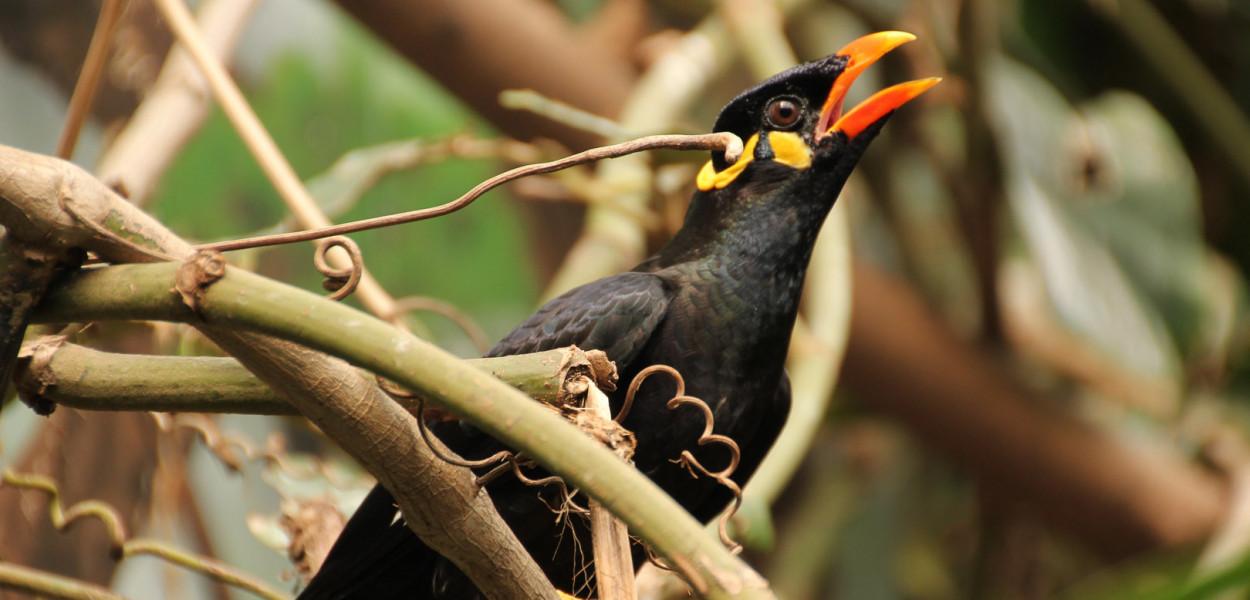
{"x":794,"y":123}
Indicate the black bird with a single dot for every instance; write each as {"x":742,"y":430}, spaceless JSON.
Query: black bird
{"x":718,"y":303}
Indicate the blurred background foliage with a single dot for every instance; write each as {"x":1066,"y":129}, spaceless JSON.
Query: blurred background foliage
{"x":1070,"y":204}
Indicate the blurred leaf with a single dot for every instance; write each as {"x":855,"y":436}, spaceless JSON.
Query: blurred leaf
{"x":1143,"y":204}
{"x":1099,"y":247}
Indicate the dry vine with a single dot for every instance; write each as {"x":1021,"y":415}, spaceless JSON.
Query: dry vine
{"x":121,"y":548}
{"x":503,"y":462}
{"x":723,"y":141}
{"x":453,"y":313}
{"x":228,"y":446}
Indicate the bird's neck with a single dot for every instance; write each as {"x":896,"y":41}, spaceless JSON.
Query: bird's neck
{"x":754,"y":255}
{"x":753,"y":240}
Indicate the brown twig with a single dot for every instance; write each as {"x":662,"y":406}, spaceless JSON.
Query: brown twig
{"x":88,"y":82}
{"x":724,"y":141}
{"x":173,"y":109}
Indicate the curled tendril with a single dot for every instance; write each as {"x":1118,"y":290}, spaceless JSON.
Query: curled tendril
{"x":502,"y":461}
{"x":63,"y":517}
{"x":466,"y":323}
{"x":341,"y":282}
{"x":495,"y":458}
{"x":409,"y":401}
{"x":658,"y":562}
{"x":687,"y":458}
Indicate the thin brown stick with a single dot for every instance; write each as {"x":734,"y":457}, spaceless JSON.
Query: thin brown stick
{"x":89,"y":80}
{"x":723,"y":141}
{"x":173,"y":109}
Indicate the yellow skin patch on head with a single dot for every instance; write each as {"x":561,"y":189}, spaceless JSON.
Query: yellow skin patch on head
{"x":788,"y":149}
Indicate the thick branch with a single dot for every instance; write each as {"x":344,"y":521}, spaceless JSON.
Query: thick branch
{"x":478,"y":49}
{"x":1123,"y":499}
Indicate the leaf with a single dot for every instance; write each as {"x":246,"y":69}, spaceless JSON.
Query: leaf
{"x":1105,"y":205}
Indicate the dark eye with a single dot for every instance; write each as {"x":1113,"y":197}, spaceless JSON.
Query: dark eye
{"x":783,"y":113}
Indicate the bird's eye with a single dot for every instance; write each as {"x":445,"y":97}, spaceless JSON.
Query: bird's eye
{"x":783,"y":113}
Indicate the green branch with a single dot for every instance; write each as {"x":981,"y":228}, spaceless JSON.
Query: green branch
{"x":49,"y":585}
{"x":83,"y":378}
{"x":240,"y":299}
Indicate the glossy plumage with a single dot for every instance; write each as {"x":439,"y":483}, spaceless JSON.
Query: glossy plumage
{"x":718,"y":303}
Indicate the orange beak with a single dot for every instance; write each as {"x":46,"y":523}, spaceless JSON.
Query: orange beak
{"x":860,"y":54}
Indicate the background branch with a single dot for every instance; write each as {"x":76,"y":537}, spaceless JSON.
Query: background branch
{"x":174,"y":109}
{"x":49,"y":585}
{"x":1121,"y":499}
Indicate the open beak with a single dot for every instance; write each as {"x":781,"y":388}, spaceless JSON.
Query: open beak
{"x":860,"y":54}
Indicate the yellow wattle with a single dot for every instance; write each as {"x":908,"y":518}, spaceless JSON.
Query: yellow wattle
{"x":788,"y":149}
{"x":709,"y":179}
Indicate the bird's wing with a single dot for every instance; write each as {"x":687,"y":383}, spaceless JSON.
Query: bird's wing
{"x":376,"y":556}
{"x":616,"y":314}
